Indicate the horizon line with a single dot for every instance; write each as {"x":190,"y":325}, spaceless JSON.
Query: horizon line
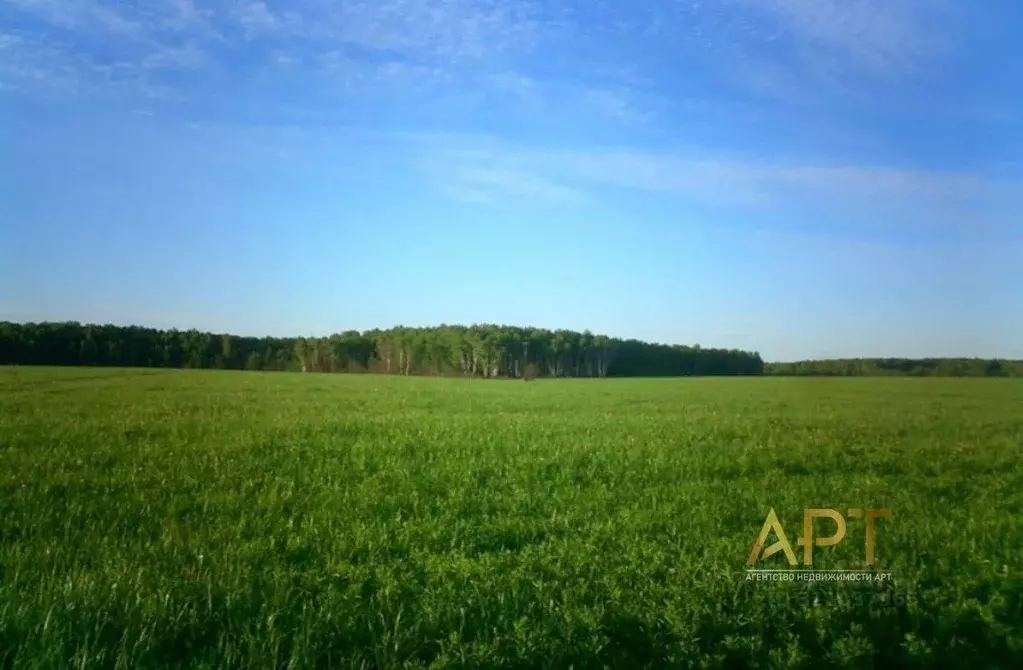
{"x":362,"y":332}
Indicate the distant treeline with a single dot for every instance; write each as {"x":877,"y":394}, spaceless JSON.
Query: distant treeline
{"x":478,"y":351}
{"x":899,"y":367}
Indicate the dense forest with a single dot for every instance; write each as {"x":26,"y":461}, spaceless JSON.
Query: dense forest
{"x":486,"y":350}
{"x":899,"y":367}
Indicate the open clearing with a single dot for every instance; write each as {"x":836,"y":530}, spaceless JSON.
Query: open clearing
{"x":229,"y":519}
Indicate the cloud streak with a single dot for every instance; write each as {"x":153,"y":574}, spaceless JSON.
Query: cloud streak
{"x":776,"y":49}
{"x":423,"y":45}
{"x":446,"y":29}
{"x":800,"y":51}
{"x":80,"y":15}
{"x":873,"y":196}
{"x":882,"y":37}
{"x":518,"y":60}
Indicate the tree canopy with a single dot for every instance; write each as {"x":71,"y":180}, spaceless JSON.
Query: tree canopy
{"x":899,"y":367}
{"x":482,"y":350}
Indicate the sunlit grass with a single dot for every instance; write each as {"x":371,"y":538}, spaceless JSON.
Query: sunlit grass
{"x":229,"y":519}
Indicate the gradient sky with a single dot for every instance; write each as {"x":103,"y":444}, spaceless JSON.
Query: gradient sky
{"x":803,"y":178}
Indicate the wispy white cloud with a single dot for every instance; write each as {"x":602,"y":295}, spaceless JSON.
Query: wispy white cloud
{"x":514,"y":84}
{"x":864,"y":195}
{"x":81,"y":14}
{"x":286,"y":59}
{"x":618,"y":104}
{"x":883,"y":37}
{"x":582,"y":64}
{"x":97,"y":48}
{"x":256,"y":17}
{"x":51,"y":68}
{"x":183,"y":17}
{"x":417,"y":44}
{"x":177,"y":58}
{"x":450,"y":29}
{"x":502,"y":185}
{"x":803,"y":50}
{"x":56,"y":70}
{"x":499,"y":44}
{"x":862,"y":51}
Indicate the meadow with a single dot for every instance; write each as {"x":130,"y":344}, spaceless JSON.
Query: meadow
{"x":173,"y":518}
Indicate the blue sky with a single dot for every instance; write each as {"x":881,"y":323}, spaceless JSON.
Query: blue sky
{"x":804,"y":178}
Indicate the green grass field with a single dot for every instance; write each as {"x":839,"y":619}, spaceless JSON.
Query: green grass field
{"x":227,"y":519}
